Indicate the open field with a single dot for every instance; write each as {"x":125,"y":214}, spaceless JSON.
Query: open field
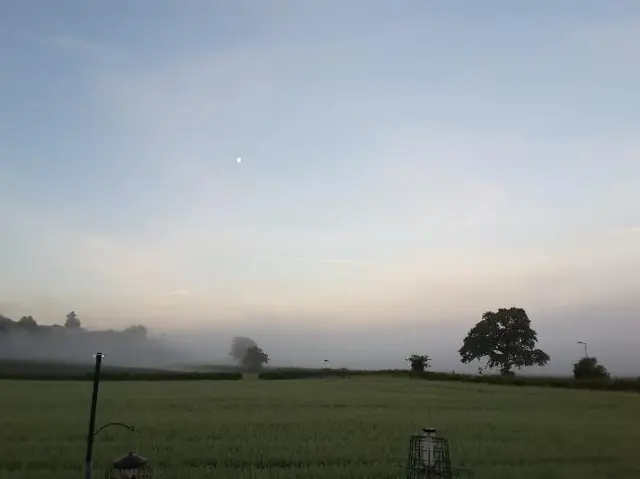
{"x":59,"y":371}
{"x":324,"y":428}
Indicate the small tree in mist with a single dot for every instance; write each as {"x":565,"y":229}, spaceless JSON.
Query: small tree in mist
{"x":254,"y":358}
{"x":72,"y":322}
{"x":239,"y":347}
{"x":419,"y":362}
{"x":28,"y":322}
{"x":588,"y":368}
{"x":137,"y":331}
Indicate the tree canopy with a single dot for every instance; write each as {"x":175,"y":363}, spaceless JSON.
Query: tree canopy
{"x":588,"y":368}
{"x":419,"y":362}
{"x":254,"y":359}
{"x":72,"y":322}
{"x":239,"y":347}
{"x":505,"y":339}
{"x":28,"y":322}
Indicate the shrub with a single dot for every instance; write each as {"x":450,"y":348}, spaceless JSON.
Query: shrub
{"x":290,"y":374}
{"x":588,"y":368}
{"x":169,"y":376}
{"x":127,"y":376}
{"x":419,"y":362}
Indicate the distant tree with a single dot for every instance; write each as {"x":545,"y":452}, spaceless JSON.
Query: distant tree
{"x":72,"y":321}
{"x":588,"y":368}
{"x":419,"y":362}
{"x":254,"y":358}
{"x":239,"y":347}
{"x":137,"y":331}
{"x":28,"y":322}
{"x":505,"y":338}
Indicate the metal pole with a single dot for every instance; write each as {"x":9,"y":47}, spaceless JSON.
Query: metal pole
{"x":586,"y":352}
{"x":92,"y":417}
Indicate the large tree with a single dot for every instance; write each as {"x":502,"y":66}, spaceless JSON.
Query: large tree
{"x":505,"y":339}
{"x":254,"y":358}
{"x":239,"y":347}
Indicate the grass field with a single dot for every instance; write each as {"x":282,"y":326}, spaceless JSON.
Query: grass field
{"x":321,"y":428}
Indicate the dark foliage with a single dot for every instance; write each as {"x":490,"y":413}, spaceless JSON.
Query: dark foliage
{"x":505,"y":339}
{"x":80,"y":374}
{"x":239,"y":347}
{"x":305,"y":373}
{"x":588,"y":368}
{"x":419,"y":362}
{"x":254,"y":358}
{"x":617,"y":384}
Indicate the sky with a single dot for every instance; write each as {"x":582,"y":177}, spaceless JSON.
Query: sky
{"x":406,"y":167}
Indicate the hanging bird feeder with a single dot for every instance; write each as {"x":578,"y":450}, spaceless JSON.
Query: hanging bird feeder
{"x":129,"y":466}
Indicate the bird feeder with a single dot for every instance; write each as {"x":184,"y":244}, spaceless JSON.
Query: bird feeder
{"x":428,"y":456}
{"x":129,"y":466}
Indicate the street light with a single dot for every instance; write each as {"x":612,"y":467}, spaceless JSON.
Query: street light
{"x":586,"y":353}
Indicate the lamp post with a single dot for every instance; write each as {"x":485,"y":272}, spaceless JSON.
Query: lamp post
{"x":586,"y":353}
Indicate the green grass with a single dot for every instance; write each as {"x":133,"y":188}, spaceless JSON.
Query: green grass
{"x":326,"y":428}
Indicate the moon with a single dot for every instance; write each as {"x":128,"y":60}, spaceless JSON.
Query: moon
{"x":239,"y":160}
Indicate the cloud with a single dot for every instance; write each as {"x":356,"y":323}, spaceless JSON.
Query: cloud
{"x":344,"y":262}
{"x":180,"y":292}
{"x":336,"y":261}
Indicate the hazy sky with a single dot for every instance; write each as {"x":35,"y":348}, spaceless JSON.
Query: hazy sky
{"x":401,"y":160}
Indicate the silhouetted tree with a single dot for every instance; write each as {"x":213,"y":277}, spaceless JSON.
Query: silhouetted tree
{"x":419,"y":362}
{"x":6,"y":323}
{"x":72,"y":321}
{"x":239,"y":347}
{"x":588,"y":368}
{"x":506,"y":339}
{"x":137,"y":331}
{"x":254,"y":358}
{"x":28,"y":322}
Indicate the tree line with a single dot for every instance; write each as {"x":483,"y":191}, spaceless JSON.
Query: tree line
{"x":71,"y":323}
{"x":71,"y":342}
{"x":504,"y":340}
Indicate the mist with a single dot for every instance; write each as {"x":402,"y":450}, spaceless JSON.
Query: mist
{"x":607,"y":329}
{"x":130,"y":347}
{"x":345,"y":341}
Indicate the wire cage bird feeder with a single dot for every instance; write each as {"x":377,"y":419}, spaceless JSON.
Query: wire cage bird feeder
{"x":428,"y":456}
